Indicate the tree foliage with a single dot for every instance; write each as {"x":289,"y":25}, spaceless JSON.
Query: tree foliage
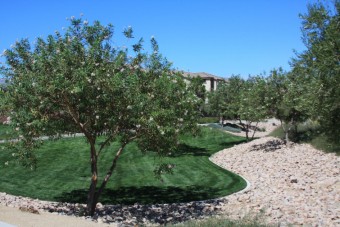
{"x":79,"y":82}
{"x":224,"y":101}
{"x":252,"y":108}
{"x":197,"y":85}
{"x":241,"y":100}
{"x":286,"y":99}
{"x":321,"y":62}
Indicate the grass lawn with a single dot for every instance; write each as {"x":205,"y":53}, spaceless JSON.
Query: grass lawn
{"x":63,"y":172}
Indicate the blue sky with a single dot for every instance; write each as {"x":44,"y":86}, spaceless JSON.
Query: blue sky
{"x":221,"y":37}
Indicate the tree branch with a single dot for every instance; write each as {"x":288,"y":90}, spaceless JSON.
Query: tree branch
{"x":76,"y":119}
{"x":113,"y":165}
{"x":108,"y":140}
{"x":254,"y":130}
{"x":109,"y":173}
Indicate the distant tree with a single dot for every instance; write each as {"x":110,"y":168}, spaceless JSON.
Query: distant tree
{"x":252,"y":108}
{"x":79,"y":82}
{"x":197,"y":85}
{"x":232,"y":97}
{"x":321,"y":62}
{"x":224,"y":101}
{"x":215,"y":104}
{"x":287,"y":99}
{"x":241,"y":100}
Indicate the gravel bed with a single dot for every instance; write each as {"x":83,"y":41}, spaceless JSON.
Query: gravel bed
{"x":125,"y":215}
{"x":294,"y":184}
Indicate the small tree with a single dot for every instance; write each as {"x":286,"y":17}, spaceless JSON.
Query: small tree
{"x":232,"y":94}
{"x":79,"y":82}
{"x":197,"y":85}
{"x":241,"y":100}
{"x":225,"y":100}
{"x":215,"y":105}
{"x":287,"y":99}
{"x":320,"y":33}
{"x":252,"y":107}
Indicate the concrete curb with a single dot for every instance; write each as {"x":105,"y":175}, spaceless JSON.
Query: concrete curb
{"x":246,"y":180}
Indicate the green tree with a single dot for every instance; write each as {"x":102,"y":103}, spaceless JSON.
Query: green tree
{"x":321,"y":62}
{"x":225,"y":100}
{"x":241,"y":100}
{"x":275,"y":89}
{"x":2,"y":100}
{"x":215,"y":105}
{"x":287,"y":99}
{"x":78,"y":82}
{"x":252,"y":108}
{"x":197,"y":85}
{"x":232,"y":97}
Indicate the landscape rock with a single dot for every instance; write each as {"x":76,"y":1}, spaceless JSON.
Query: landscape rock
{"x":126,"y":215}
{"x":295,"y":184}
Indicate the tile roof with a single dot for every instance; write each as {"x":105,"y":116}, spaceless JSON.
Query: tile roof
{"x":203,"y":75}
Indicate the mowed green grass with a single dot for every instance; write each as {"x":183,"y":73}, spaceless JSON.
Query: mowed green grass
{"x":63,"y":172}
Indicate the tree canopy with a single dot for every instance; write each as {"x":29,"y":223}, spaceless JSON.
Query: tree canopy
{"x":78,"y":81}
{"x":320,"y":63}
{"x":242,"y":100}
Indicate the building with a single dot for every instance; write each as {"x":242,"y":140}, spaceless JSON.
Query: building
{"x":210,"y":81}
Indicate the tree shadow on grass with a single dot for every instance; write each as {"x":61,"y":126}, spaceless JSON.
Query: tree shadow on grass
{"x":232,"y":125}
{"x":188,"y":150}
{"x":231,"y":144}
{"x":144,"y":195}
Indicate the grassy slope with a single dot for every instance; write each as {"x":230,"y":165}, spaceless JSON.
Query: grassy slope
{"x":63,"y":172}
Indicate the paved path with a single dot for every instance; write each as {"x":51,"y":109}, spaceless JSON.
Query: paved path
{"x":10,"y":217}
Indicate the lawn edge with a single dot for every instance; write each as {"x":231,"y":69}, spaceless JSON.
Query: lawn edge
{"x":248,"y":184}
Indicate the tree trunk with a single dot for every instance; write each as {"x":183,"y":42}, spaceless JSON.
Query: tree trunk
{"x":221,"y":121}
{"x":286,"y":137}
{"x":286,"y":140}
{"x":247,"y":131}
{"x":245,"y":128}
{"x":286,"y":130}
{"x":93,"y":194}
{"x":109,"y":173}
{"x":252,"y":137}
{"x":92,"y":197}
